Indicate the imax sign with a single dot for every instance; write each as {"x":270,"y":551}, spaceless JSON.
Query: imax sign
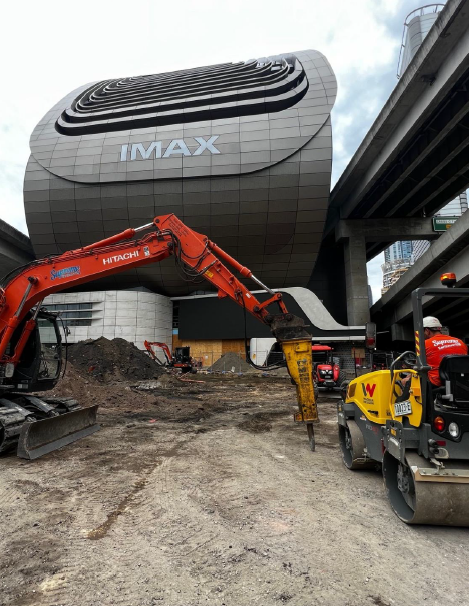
{"x":177,"y":147}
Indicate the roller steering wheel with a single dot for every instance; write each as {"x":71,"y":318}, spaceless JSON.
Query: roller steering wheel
{"x":409,"y":360}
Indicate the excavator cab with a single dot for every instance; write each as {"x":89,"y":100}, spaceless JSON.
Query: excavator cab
{"x":41,"y":360}
{"x":50,"y":360}
{"x":418,"y":432}
{"x":182,"y":355}
{"x":182,"y":359}
{"x":31,"y":424}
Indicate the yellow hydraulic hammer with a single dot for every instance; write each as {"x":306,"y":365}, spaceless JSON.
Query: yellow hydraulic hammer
{"x":299,"y":359}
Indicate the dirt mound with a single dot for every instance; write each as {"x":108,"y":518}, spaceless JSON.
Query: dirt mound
{"x":231,"y":362}
{"x":113,"y":360}
{"x":113,"y":398}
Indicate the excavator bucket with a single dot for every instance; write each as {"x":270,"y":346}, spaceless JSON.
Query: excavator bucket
{"x":41,"y":437}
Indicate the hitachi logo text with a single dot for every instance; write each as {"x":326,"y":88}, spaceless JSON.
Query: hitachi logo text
{"x":177,"y":147}
{"x":124,"y":257}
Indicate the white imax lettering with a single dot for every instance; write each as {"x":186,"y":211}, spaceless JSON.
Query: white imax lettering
{"x":124,"y":257}
{"x":145,"y":153}
{"x":206,"y":145}
{"x":177,"y":147}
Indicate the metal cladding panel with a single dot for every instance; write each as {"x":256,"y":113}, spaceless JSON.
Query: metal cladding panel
{"x":241,"y":152}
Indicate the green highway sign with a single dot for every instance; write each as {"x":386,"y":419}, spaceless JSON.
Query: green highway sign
{"x":443,"y":223}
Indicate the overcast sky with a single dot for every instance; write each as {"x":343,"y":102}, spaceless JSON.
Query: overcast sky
{"x":51,"y":47}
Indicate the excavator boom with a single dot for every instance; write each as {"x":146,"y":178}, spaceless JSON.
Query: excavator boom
{"x":195,"y":254}
{"x":165,"y":349}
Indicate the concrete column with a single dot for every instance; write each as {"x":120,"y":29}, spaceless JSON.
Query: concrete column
{"x":354,"y":234}
{"x":356,"y":281}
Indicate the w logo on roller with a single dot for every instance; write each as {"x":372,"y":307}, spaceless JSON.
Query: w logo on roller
{"x":368,"y":389}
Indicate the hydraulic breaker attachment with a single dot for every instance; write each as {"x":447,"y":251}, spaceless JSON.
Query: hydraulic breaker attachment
{"x":38,"y":438}
{"x":300,"y":366}
{"x":296,"y":345}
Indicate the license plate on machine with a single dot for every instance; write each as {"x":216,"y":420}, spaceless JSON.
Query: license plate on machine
{"x":402,"y":408}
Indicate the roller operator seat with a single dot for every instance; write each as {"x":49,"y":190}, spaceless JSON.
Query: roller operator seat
{"x":454,"y":375}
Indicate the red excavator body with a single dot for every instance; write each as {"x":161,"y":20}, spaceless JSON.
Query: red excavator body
{"x":28,"y":364}
{"x":181,"y":359}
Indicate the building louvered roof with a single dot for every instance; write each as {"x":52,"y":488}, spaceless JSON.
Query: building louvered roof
{"x":226,"y":90}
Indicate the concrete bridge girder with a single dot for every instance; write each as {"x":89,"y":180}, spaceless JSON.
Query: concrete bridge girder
{"x":413,"y":160}
{"x":410,"y":104}
{"x":383,"y":230}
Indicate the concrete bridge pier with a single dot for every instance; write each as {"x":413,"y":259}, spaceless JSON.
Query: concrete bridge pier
{"x":356,"y":281}
{"x":355,"y":235}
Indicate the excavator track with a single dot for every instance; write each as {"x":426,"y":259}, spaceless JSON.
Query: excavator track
{"x":420,"y":495}
{"x":11,"y":422}
{"x":36,"y":426}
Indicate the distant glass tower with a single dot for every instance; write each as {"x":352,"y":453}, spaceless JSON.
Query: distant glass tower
{"x":397,"y":260}
{"x":398,"y":250}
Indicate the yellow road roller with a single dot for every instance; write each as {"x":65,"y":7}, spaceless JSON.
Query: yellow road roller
{"x":417,"y":431}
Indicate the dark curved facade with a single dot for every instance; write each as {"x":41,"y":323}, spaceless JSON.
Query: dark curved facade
{"x":241,"y":152}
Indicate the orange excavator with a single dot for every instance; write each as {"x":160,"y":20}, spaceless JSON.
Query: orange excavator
{"x":37,"y":425}
{"x":180,"y":360}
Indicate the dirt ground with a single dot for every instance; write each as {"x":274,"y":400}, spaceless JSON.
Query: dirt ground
{"x":207,"y":493}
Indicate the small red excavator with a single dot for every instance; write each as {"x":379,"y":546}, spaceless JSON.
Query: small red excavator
{"x":28,"y":364}
{"x":181,"y":359}
{"x":326,"y":369}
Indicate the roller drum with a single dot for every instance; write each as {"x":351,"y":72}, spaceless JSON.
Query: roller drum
{"x":437,"y":500}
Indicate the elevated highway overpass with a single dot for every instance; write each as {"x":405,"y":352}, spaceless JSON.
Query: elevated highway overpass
{"x":414,"y":160}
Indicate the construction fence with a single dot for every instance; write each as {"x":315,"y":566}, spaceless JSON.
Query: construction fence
{"x":225,"y":354}
{"x":229,"y":356}
{"x":233,"y":361}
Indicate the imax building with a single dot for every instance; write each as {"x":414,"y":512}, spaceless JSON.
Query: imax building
{"x":241,"y":152}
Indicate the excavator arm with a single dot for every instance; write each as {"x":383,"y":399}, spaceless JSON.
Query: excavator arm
{"x":195,"y":254}
{"x":149,"y":347}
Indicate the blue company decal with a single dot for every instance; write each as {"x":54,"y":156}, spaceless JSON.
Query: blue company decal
{"x":66,"y":272}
